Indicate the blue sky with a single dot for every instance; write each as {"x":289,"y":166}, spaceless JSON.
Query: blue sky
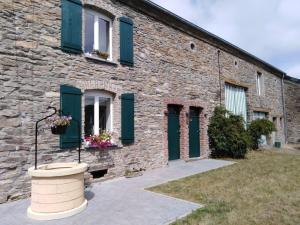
{"x":269,"y":29}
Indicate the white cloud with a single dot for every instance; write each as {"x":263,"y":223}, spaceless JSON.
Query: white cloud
{"x":268,"y":29}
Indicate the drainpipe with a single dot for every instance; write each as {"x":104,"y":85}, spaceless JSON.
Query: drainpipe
{"x":284,"y":109}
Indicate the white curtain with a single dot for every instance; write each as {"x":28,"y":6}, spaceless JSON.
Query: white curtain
{"x":103,"y":35}
{"x":235,"y":100}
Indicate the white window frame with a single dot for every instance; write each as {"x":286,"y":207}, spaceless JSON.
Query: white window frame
{"x":260,"y":113}
{"x":259,"y":83}
{"x":98,"y":15}
{"x":97,"y":95}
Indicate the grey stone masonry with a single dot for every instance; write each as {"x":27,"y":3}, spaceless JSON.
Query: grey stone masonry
{"x":166,"y":71}
{"x":292,"y":102}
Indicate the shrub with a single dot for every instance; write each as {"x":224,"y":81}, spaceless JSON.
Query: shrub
{"x":257,"y":128}
{"x":227,"y":135}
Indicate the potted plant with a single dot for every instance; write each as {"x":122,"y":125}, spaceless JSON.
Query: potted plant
{"x":101,"y":141}
{"x":59,"y":124}
{"x":101,"y":54}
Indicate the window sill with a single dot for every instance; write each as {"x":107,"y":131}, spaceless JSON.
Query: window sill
{"x":100,"y":60}
{"x":114,"y":147}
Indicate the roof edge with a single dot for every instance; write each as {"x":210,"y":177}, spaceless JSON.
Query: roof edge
{"x":152,"y":9}
{"x":293,"y":79}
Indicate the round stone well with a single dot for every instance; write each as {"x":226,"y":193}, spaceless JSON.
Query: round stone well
{"x":57,"y":190}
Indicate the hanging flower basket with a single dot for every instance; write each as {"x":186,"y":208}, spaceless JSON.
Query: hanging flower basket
{"x":59,"y":124}
{"x":58,"y":130}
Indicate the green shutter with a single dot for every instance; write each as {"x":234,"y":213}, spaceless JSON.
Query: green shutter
{"x":127,"y":118}
{"x":70,"y":104}
{"x":71,"y":26}
{"x":126,"y":41}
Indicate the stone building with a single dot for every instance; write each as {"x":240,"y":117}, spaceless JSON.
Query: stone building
{"x":292,"y":103}
{"x":131,"y":67}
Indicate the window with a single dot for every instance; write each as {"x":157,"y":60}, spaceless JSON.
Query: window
{"x":259,"y":83}
{"x":97,"y":35}
{"x":259,"y":115}
{"x":98,"y":112}
{"x":235,"y":100}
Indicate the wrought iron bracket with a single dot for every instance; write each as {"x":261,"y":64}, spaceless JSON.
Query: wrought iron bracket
{"x":36,"y":133}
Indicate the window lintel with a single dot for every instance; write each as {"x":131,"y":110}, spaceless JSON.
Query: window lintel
{"x":97,"y":10}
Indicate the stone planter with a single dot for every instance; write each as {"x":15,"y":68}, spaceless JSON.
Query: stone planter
{"x":57,"y":190}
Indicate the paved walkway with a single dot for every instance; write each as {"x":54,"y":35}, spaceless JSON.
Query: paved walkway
{"x":124,"y":201}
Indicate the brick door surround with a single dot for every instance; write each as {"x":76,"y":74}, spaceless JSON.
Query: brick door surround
{"x":184,"y":126}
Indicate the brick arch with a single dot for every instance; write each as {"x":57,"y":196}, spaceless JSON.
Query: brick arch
{"x":99,"y":85}
{"x":106,"y":86}
{"x":93,"y":6}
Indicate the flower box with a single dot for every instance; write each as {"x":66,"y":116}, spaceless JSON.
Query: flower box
{"x":101,"y":141}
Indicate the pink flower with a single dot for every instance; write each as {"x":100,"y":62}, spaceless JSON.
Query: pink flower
{"x":100,"y":141}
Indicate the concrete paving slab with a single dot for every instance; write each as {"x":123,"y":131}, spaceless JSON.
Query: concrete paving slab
{"x":124,"y":201}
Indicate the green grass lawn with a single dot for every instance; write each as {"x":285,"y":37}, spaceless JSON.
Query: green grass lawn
{"x":263,"y":189}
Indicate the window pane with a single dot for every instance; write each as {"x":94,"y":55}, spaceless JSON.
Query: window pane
{"x":89,"y":116}
{"x":102,"y":118}
{"x":103,"y":35}
{"x":259,"y":83}
{"x":104,"y":111}
{"x":89,"y":33}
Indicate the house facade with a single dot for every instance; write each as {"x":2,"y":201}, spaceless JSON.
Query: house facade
{"x":292,"y":103}
{"x":130,"y":67}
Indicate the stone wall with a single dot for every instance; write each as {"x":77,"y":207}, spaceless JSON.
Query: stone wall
{"x":166,"y":69}
{"x":292,"y":102}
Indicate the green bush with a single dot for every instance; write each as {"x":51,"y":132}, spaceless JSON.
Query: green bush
{"x":257,"y":128}
{"x":227,"y":135}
